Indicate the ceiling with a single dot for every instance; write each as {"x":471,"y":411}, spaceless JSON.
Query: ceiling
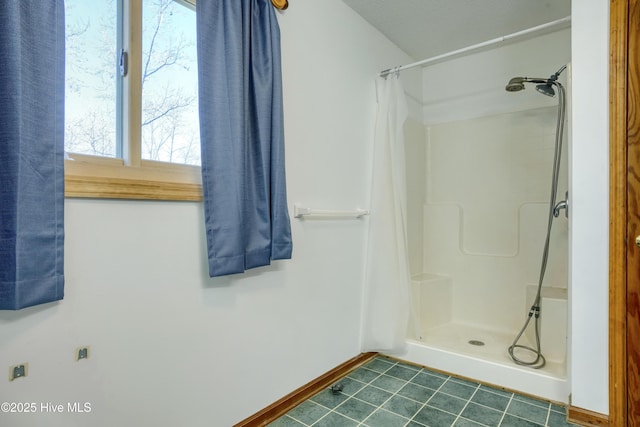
{"x":426,"y":28}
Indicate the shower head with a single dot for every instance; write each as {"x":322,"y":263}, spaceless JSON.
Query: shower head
{"x":515,"y":84}
{"x":544,"y":86}
{"x":546,"y":89}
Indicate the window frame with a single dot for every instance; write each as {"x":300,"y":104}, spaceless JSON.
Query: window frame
{"x":131,"y":177}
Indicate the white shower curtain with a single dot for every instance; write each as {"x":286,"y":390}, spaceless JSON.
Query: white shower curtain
{"x":387,"y":307}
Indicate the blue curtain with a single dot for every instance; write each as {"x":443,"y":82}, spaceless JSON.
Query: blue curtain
{"x":31,"y":152}
{"x":242,"y":135}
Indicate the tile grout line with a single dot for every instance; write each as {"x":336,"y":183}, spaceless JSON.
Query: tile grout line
{"x":430,"y":397}
{"x":525,"y":419}
{"x":341,"y":403}
{"x":334,"y":411}
{"x":299,"y":421}
{"x":521,"y":417}
{"x":353,"y":396}
{"x":505,"y":410}
{"x":329,"y":410}
{"x":302,"y":422}
{"x":546,"y":421}
{"x":392,"y":394}
{"x":361,"y":423}
{"x":466,"y":404}
{"x":544,"y":404}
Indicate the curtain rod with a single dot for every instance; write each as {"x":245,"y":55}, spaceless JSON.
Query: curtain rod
{"x":548,"y":27}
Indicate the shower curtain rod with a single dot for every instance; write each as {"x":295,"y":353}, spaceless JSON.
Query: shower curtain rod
{"x":548,"y":27}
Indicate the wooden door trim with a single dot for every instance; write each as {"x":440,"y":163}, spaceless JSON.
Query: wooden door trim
{"x":618,"y":89}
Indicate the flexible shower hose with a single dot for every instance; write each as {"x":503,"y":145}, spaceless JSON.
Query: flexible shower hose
{"x":539,"y":360}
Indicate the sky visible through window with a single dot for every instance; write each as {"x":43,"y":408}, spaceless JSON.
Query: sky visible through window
{"x":170,"y":129}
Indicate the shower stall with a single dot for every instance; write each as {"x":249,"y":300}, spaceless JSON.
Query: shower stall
{"x":481,"y":163}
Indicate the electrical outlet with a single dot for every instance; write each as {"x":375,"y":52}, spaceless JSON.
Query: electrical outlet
{"x":82,"y":353}
{"x":18,"y":371}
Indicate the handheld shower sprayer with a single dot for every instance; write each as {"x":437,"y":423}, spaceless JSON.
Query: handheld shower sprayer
{"x":516,"y":84}
{"x":544,"y":86}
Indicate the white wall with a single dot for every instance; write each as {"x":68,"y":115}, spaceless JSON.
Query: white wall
{"x":473,"y":86}
{"x":590,"y":206}
{"x":169,"y":346}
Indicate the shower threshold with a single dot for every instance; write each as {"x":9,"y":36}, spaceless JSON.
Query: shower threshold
{"x":448,"y":348}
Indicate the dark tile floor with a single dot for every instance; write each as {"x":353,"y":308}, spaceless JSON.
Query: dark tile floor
{"x":388,"y":393}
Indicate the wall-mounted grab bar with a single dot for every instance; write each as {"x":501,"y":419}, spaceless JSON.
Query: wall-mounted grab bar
{"x":301,"y":212}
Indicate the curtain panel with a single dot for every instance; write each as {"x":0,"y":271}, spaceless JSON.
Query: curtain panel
{"x":242,"y":135}
{"x":388,"y":304}
{"x":31,"y":152}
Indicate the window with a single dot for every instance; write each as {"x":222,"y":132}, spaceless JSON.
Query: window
{"x":131,"y":125}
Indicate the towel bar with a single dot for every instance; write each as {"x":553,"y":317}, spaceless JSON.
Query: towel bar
{"x":301,"y":212}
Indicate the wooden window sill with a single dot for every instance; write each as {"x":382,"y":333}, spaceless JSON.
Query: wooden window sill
{"x":108,"y":178}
